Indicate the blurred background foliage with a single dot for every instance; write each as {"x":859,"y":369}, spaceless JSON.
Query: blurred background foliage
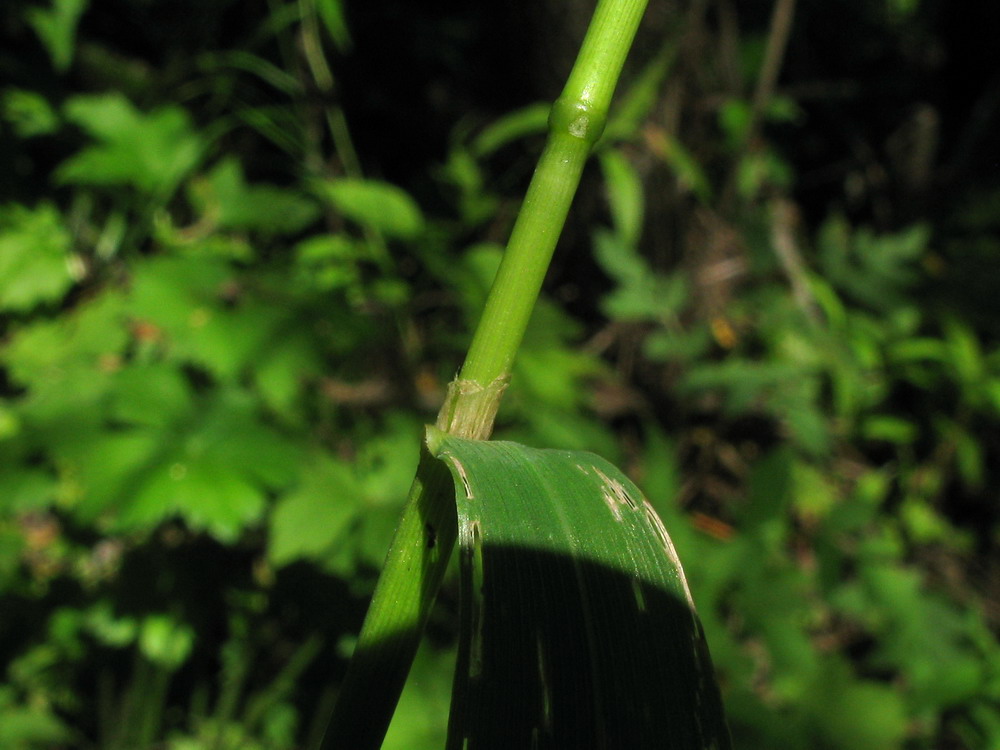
{"x":242,"y":246}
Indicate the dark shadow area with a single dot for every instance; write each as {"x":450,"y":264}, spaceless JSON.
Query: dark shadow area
{"x":620,"y":665}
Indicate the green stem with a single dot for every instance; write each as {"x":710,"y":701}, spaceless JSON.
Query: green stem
{"x":575,"y":125}
{"x":404,"y":595}
{"x":423,"y":542}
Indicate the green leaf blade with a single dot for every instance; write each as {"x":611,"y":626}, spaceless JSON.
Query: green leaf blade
{"x":35,"y":258}
{"x":577,"y":626}
{"x":151,"y":152}
{"x":377,"y":204}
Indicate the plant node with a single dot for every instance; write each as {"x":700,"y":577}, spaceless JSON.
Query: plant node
{"x":577,"y":118}
{"x":470,"y":407}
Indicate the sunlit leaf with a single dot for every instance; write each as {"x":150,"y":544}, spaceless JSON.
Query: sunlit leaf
{"x":889,"y":429}
{"x":183,"y":301}
{"x":964,"y":353}
{"x":56,"y":28}
{"x":377,"y":204}
{"x":421,"y":718}
{"x":859,"y":714}
{"x":29,"y":113}
{"x":34,"y":257}
{"x":229,"y":202}
{"x":66,"y":365}
{"x":212,"y":465}
{"x":625,"y":195}
{"x":169,"y":291}
{"x":578,"y":629}
{"x":165,"y":641}
{"x":26,"y":489}
{"x":331,"y":12}
{"x":330,"y":261}
{"x":526,"y":121}
{"x":283,"y":368}
{"x":45,"y":350}
{"x":149,"y":395}
{"x":24,"y":726}
{"x":311,"y":518}
{"x":385,"y":462}
{"x":152,"y":152}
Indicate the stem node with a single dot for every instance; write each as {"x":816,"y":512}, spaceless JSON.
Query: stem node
{"x":579,"y":119}
{"x":470,"y":407}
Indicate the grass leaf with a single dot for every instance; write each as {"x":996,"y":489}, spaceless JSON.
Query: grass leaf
{"x":578,"y":629}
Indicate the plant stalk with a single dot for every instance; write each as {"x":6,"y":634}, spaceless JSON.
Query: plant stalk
{"x":422,"y":545}
{"x":576,"y":122}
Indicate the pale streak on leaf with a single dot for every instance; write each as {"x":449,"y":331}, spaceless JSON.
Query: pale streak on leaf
{"x":578,"y":572}
{"x":668,"y":547}
{"x":461,"y":474}
{"x":606,"y":493}
{"x":615,"y":495}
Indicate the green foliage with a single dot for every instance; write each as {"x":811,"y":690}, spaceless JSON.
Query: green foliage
{"x":151,"y":153}
{"x":376,"y":204}
{"x":223,"y":330}
{"x":29,"y":113}
{"x":35,"y":258}
{"x":225,"y":201}
{"x":56,"y":28}
{"x":27,"y":727}
{"x":562,"y":556}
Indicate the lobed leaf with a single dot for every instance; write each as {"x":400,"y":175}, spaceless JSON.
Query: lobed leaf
{"x":35,"y":260}
{"x":152,"y":152}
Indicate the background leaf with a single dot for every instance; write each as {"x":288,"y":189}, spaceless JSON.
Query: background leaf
{"x":56,"y":27}
{"x":35,"y":260}
{"x":377,"y":204}
{"x":151,"y":152}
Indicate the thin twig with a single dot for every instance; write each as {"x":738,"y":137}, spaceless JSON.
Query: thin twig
{"x":767,"y":81}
